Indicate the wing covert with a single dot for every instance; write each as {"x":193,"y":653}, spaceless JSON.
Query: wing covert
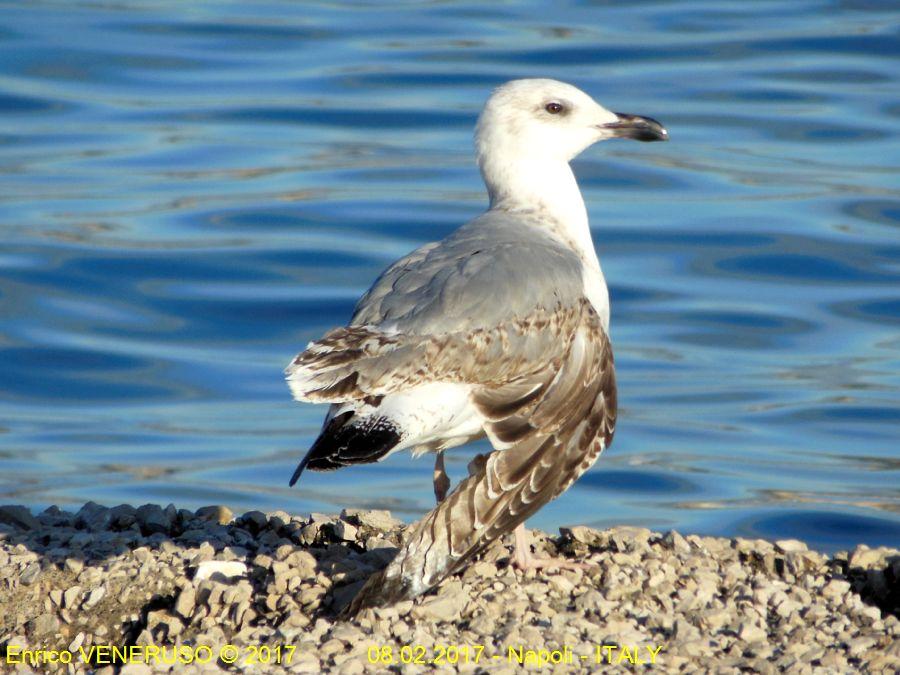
{"x":562,"y":419}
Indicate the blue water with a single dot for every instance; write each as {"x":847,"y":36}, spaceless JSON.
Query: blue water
{"x":189,"y":192}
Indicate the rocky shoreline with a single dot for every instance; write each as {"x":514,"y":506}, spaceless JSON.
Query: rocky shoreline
{"x":154,"y":589}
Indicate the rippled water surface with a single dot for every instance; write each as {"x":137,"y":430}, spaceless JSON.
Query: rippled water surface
{"x":189,"y":192}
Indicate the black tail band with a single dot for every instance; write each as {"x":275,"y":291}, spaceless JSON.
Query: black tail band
{"x":347,"y":440}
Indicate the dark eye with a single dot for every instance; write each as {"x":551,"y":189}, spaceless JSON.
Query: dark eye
{"x":554,"y":108}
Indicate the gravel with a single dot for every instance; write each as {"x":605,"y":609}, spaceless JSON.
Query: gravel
{"x":266,"y":584}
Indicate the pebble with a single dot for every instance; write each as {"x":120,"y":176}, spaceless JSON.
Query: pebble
{"x":560,"y":584}
{"x":344,"y":531}
{"x":375,"y":519}
{"x":222,"y":568}
{"x":72,"y":596}
{"x":94,"y":598}
{"x":790,"y":546}
{"x":866,"y":557}
{"x":216,"y":514}
{"x":750,"y":632}
{"x":443,"y":608}
{"x":676,"y":542}
{"x":154,"y":575}
{"x":836,"y":588}
{"x":186,"y":602}
{"x":581,"y":534}
{"x":43,"y":624}
{"x":30,"y":574}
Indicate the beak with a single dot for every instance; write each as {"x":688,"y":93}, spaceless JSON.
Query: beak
{"x":637,"y":128}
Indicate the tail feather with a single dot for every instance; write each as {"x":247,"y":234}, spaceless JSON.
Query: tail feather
{"x":349,"y":439}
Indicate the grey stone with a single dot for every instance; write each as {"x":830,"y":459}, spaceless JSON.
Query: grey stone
{"x":122,"y":516}
{"x":77,"y":641}
{"x":376,"y":519}
{"x":184,"y":604}
{"x":72,"y":597}
{"x":560,"y":584}
{"x":18,"y":516}
{"x":868,"y":558}
{"x":81,"y":539}
{"x":30,"y":574}
{"x":153,"y":519}
{"x":836,"y":588}
{"x":44,"y":624}
{"x":223,"y":569}
{"x":750,"y":632}
{"x":94,"y":598}
{"x":442,"y":608}
{"x":92,"y":516}
{"x":790,"y":546}
{"x":581,"y":534}
{"x":344,"y":531}
{"x":257,"y":520}
{"x":160,"y":620}
{"x":674,"y":541}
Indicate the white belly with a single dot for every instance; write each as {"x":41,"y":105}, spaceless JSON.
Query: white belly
{"x":433,"y":416}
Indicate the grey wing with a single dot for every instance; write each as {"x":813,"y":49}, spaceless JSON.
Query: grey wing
{"x":485,"y":304}
{"x":550,"y":426}
{"x":495,"y":268}
{"x":406,"y":273}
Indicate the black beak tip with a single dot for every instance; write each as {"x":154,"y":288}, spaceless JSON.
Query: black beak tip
{"x":638,"y":128}
{"x":650,"y":135}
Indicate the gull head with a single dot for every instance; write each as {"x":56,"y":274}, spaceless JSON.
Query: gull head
{"x":547,"y":120}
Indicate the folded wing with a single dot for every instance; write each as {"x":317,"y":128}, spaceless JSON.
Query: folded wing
{"x":549,"y":427}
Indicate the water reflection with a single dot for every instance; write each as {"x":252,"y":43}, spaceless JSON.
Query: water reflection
{"x":190,"y":198}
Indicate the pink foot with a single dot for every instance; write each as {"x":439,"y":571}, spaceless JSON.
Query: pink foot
{"x":525,"y":560}
{"x":530,"y":562}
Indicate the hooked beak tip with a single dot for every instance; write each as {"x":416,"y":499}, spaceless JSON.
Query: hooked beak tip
{"x":637,"y":128}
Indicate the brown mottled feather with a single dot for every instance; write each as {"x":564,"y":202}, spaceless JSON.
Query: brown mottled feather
{"x":558,"y":420}
{"x":356,"y":361}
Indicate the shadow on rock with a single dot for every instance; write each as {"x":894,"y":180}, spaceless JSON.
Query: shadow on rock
{"x":150,"y":575}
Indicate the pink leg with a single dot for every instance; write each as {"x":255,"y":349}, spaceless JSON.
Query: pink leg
{"x":441,"y":480}
{"x":525,"y":560}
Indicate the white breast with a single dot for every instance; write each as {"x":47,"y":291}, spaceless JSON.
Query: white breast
{"x":596,"y":292}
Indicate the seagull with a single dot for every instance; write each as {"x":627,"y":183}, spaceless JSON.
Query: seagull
{"x":499,"y":330}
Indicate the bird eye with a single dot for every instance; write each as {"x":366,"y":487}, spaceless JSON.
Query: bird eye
{"x":554,"y":108}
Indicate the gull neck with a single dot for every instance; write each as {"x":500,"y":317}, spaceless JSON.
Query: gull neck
{"x":545,"y":187}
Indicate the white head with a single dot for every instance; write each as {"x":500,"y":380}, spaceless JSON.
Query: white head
{"x":548,"y":120}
